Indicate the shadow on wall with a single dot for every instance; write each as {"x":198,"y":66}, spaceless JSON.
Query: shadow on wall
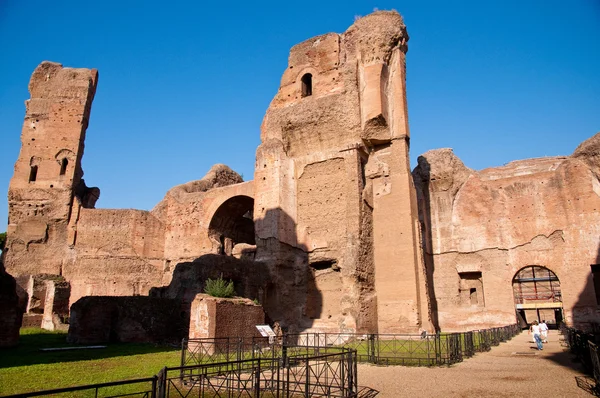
{"x":585,"y":313}
{"x":280,"y":280}
{"x":421,"y":177}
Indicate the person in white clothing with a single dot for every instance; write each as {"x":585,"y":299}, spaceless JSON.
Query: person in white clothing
{"x":544,"y":331}
{"x":537,"y":334}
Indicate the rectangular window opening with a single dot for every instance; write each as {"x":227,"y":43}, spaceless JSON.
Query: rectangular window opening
{"x":33,"y":173}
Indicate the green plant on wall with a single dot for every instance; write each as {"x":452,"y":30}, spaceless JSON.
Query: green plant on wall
{"x":219,"y":287}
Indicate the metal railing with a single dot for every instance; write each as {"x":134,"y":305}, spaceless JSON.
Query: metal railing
{"x":142,"y":388}
{"x":295,"y":372}
{"x":303,"y":372}
{"x":585,"y":347}
{"x":298,"y":365}
{"x":383,"y":349}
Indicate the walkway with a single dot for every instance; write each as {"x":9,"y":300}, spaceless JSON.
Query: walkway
{"x":512,"y":369}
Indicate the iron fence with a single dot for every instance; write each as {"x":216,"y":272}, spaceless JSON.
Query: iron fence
{"x":304,"y":372}
{"x":298,"y":372}
{"x":585,"y":347}
{"x":383,"y":349}
{"x":141,"y":388}
{"x":300,"y":365}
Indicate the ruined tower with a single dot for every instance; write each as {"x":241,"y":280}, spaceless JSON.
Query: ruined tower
{"x":335,"y":207}
{"x":47,"y":188}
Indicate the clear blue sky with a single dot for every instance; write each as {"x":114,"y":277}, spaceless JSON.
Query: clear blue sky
{"x":184,"y":85}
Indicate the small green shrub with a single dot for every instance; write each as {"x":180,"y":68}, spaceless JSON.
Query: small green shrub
{"x":219,"y":287}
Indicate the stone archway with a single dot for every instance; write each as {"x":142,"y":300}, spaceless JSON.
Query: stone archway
{"x":232,"y":223}
{"x":537,"y":295}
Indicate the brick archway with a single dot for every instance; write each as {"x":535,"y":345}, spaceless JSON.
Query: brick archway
{"x":233,"y":223}
{"x":537,"y":294}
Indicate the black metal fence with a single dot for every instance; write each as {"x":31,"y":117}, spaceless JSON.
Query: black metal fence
{"x":585,"y":347}
{"x":141,"y":388}
{"x":382,"y":349}
{"x":304,"y":372}
{"x":298,"y":372}
{"x":299,"y":365}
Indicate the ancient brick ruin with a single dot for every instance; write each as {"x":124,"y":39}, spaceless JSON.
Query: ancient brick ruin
{"x":331,"y":234}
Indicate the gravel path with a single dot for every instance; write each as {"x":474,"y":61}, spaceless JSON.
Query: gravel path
{"x":501,"y":372}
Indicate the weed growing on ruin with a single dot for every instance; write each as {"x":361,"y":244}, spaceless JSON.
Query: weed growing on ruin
{"x":219,"y":287}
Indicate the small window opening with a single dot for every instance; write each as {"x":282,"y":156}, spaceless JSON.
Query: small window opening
{"x":33,"y":173}
{"x":63,"y":166}
{"x":471,"y":285}
{"x":307,"y":85}
{"x":222,"y":246}
{"x":473,"y":296}
{"x":325,"y":264}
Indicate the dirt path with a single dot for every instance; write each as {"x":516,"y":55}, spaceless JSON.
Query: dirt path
{"x":513,"y":369}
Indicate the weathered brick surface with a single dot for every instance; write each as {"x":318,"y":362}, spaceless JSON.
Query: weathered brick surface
{"x":330,"y":230}
{"x":103,"y":319}
{"x":543,"y":212}
{"x":213,"y":317}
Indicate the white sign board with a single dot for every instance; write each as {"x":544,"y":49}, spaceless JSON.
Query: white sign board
{"x":265,"y":330}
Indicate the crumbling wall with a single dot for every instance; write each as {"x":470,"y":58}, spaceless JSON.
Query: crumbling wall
{"x":251,"y":279}
{"x":333,"y":169}
{"x":213,"y":317}
{"x":47,"y":181}
{"x":497,"y":221}
{"x":187,"y":211}
{"x":101,"y":319}
{"x":118,"y":253}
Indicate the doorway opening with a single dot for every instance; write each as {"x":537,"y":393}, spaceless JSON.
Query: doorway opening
{"x":538,"y":296}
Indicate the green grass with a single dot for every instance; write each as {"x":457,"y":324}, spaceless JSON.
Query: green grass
{"x":25,"y":368}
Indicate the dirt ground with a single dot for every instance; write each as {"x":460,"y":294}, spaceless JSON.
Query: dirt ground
{"x":512,"y":369}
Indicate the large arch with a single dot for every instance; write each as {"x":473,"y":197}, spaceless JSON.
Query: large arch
{"x":537,"y":295}
{"x":233,"y":223}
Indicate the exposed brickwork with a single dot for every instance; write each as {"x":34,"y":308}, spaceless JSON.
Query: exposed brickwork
{"x":213,"y":317}
{"x":543,"y":212}
{"x":127,"y":319}
{"x":331,"y":233}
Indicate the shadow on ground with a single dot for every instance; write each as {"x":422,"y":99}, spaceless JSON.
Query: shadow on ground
{"x":28,"y":351}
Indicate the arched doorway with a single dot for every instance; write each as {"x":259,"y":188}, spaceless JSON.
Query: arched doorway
{"x":537,"y":296}
{"x":232,"y":223}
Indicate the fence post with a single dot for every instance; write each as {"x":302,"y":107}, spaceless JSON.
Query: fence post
{"x":307,"y":382}
{"x":183,"y":350}
{"x":438,"y":348}
{"x":154,"y":385}
{"x":257,"y":380}
{"x":162,"y":383}
{"x":371,"y":348}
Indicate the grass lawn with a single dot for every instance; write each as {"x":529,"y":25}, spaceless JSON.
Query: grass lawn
{"x":25,"y":368}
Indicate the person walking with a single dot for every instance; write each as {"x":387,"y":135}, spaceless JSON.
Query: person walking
{"x":537,"y":334}
{"x":544,"y":331}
